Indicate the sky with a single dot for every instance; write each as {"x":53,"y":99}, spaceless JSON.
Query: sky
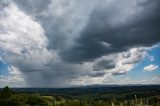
{"x":64,"y":43}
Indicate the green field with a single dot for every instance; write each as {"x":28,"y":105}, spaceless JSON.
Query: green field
{"x":9,"y":97}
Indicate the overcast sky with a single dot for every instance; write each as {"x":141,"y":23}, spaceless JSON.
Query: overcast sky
{"x":62,"y":43}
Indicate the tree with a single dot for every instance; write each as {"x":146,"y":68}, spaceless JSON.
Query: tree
{"x":6,"y":92}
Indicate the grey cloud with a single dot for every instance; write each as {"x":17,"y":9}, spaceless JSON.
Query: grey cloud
{"x":62,"y":20}
{"x":97,"y":74}
{"x":33,"y":6}
{"x":104,"y":64}
{"x":119,"y":28}
{"x":119,"y":63}
{"x":122,"y":24}
{"x":118,"y":73}
{"x":78,"y":33}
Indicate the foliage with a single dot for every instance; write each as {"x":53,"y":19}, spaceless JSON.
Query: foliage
{"x":12,"y":98}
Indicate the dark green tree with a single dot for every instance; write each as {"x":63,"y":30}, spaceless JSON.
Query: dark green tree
{"x":6,"y":92}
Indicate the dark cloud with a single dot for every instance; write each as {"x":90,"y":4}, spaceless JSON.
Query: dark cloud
{"x":97,"y":74}
{"x":80,"y":37}
{"x":33,"y":6}
{"x":122,"y":25}
{"x":58,"y":18}
{"x":121,"y":32}
{"x":104,"y":64}
{"x":119,"y":73}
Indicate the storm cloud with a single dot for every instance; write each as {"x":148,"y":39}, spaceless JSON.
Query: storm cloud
{"x":56,"y":43}
{"x":119,"y":25}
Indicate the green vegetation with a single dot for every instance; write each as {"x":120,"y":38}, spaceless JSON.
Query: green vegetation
{"x":10,"y":97}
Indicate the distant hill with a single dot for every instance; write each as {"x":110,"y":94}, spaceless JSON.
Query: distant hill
{"x":91,"y":89}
